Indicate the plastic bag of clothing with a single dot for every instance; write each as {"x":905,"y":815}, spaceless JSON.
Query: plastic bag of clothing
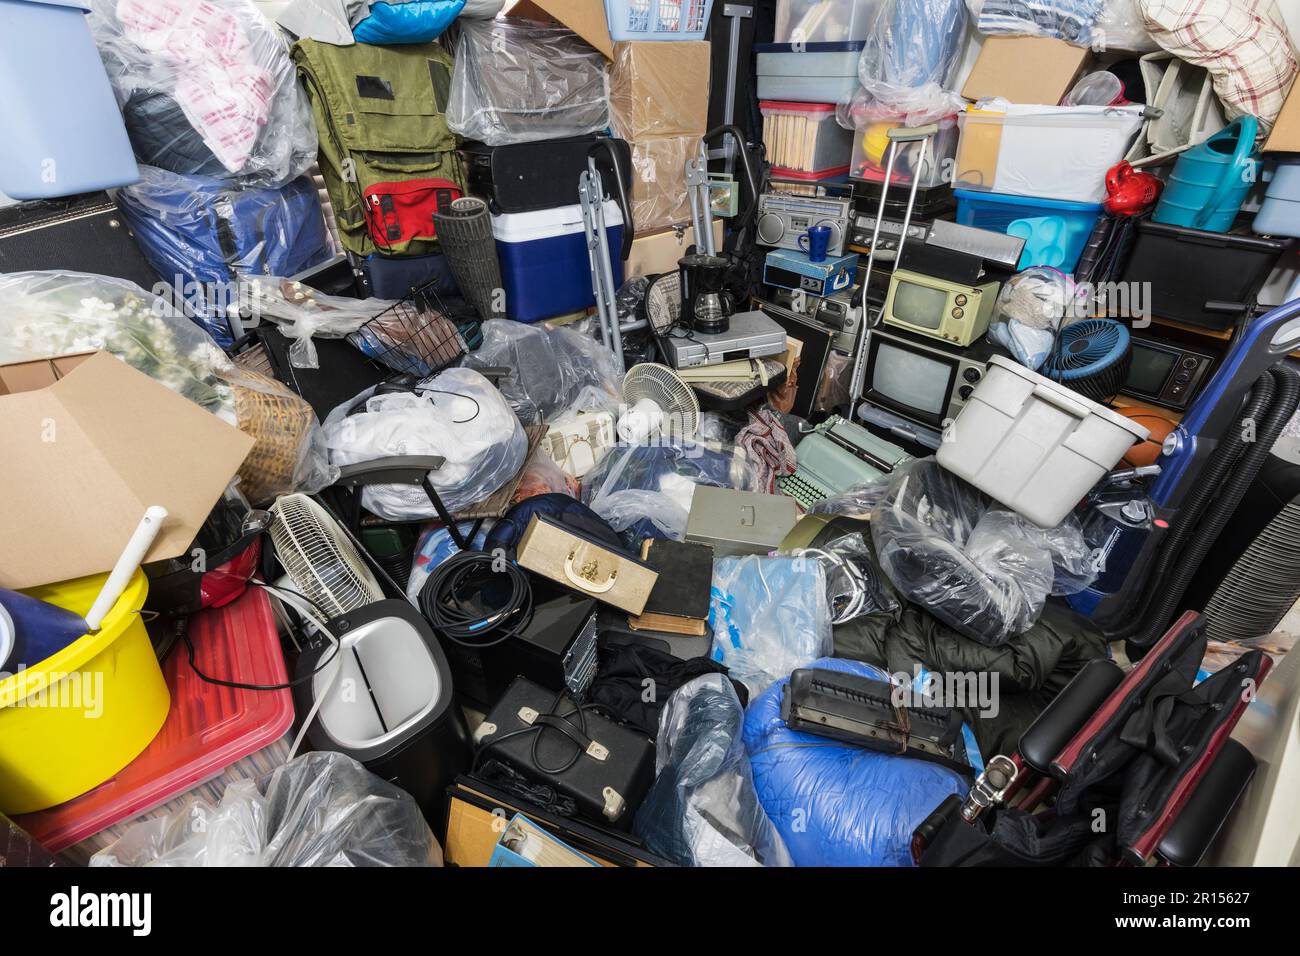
{"x":1069,"y":20}
{"x":517,"y":81}
{"x":60,"y":313}
{"x":456,"y":415}
{"x":702,"y":809}
{"x":769,"y":616}
{"x":1029,"y":311}
{"x":542,"y":476}
{"x":646,"y":490}
{"x":984,"y":571}
{"x":835,"y":804}
{"x":853,"y":584}
{"x":1120,"y":27}
{"x":206,"y":88}
{"x":912,"y":54}
{"x":319,"y":809}
{"x":202,"y":234}
{"x":304,"y":313}
{"x":548,"y":368}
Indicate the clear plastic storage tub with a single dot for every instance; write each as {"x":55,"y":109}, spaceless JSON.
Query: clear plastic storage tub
{"x":63,"y":132}
{"x":657,"y":19}
{"x":1055,"y":232}
{"x":824,"y":21}
{"x":1033,"y":444}
{"x":804,"y":139}
{"x":871,"y":152}
{"x":808,"y":72}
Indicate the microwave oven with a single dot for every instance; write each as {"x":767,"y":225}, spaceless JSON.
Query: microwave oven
{"x":1166,"y":373}
{"x":920,"y":379}
{"x":943,"y":309}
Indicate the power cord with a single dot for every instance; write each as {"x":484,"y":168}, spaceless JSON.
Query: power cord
{"x":471,"y":601}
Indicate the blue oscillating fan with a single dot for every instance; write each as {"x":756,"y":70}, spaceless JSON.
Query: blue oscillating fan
{"x":1091,"y":357}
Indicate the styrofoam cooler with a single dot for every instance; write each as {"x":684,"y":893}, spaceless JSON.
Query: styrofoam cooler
{"x":545,"y":269}
{"x":63,"y":132}
{"x":1033,"y":444}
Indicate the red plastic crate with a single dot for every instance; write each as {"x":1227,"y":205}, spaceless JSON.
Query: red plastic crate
{"x":208,"y":728}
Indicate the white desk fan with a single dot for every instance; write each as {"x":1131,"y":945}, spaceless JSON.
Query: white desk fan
{"x":657,"y":402}
{"x":318,"y":558}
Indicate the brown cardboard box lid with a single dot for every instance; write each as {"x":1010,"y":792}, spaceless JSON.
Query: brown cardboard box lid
{"x":584,"y":17}
{"x":1285,"y":137}
{"x":1035,"y":70}
{"x":90,"y":443}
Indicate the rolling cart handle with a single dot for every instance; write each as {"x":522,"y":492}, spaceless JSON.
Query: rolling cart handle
{"x":751,"y":181}
{"x":620,"y":194}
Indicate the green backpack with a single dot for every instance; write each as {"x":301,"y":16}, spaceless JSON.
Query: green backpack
{"x":388,"y":158}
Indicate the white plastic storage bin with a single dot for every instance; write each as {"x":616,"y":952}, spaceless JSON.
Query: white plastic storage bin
{"x":545,"y":270}
{"x":1050,"y":152}
{"x":63,"y":132}
{"x":824,"y":21}
{"x":808,"y":72}
{"x":1033,"y":444}
{"x":804,"y":139}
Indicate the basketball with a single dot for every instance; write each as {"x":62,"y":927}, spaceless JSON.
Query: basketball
{"x":1146,"y":452}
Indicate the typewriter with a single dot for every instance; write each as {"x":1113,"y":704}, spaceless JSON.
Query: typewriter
{"x":835,"y":457}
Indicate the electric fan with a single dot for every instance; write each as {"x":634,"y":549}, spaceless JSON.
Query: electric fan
{"x":657,"y":402}
{"x":1091,"y":357}
{"x":318,"y":557}
{"x":662,"y":304}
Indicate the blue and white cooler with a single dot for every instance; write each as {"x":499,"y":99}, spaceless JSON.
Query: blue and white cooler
{"x":545,"y":269}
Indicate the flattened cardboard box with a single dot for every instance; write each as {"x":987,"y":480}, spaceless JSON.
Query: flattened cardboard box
{"x":90,"y":443}
{"x":1034,"y":70}
{"x":584,"y":17}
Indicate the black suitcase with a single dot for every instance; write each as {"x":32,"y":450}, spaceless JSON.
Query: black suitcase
{"x":604,"y":767}
{"x":83,"y":233}
{"x":525,"y":177}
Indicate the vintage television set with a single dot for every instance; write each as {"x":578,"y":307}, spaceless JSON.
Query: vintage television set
{"x":920,"y":379}
{"x":1166,"y":373}
{"x":940,"y":293}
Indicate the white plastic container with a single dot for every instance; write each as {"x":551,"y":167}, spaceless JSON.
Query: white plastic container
{"x":1033,"y":444}
{"x":1049,"y":152}
{"x":804,"y":139}
{"x":824,"y":21}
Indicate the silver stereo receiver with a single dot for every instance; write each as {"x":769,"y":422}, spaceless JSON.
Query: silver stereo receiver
{"x":782,"y":219}
{"x":835,"y":313}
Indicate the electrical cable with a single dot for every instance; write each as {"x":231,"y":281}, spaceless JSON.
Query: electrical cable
{"x":457,"y":601}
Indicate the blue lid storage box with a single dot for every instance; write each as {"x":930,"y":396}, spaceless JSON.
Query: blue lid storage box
{"x":545,"y":269}
{"x":1055,"y":230}
{"x":808,"y":72}
{"x":63,"y":131}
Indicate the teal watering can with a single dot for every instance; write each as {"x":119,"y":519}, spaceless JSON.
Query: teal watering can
{"x":1210,"y":181}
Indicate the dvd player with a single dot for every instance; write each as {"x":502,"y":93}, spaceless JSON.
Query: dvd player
{"x":751,"y":335}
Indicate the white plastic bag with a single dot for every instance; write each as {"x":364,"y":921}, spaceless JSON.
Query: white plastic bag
{"x":1030,"y":309}
{"x":1121,"y":27}
{"x":1069,"y":20}
{"x":303,"y":313}
{"x":320,"y":809}
{"x":457,"y":415}
{"x":911,"y":55}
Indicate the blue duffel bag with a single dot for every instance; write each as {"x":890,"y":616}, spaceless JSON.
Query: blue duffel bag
{"x":417,"y":21}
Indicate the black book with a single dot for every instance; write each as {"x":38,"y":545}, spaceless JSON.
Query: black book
{"x":679,"y":601}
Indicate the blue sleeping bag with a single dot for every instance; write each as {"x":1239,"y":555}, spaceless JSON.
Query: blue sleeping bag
{"x":835,"y":804}
{"x":417,"y":21}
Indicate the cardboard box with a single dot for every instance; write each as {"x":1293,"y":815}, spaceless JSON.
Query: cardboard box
{"x":1034,"y":70}
{"x":584,"y":17}
{"x":659,"y":89}
{"x":657,"y":252}
{"x":1285,"y":137}
{"x":659,"y":196}
{"x":89,"y":444}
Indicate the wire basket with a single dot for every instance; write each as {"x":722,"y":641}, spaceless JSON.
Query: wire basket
{"x":418,"y":335}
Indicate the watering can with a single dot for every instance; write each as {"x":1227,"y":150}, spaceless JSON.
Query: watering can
{"x":1210,"y":181}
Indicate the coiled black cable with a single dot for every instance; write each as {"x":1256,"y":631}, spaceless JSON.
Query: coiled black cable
{"x":477,"y":599}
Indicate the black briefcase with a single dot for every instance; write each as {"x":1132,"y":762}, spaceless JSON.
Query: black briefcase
{"x":604,"y":767}
{"x":83,"y":233}
{"x":524,"y":177}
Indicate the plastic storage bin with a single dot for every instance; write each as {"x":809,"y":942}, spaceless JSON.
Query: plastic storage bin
{"x":1187,"y":268}
{"x":63,"y":132}
{"x":1055,"y":232}
{"x":657,"y":19}
{"x":51,"y":748}
{"x":1032,"y":444}
{"x":804,"y":140}
{"x":1280,"y":213}
{"x":1051,"y":152}
{"x":824,"y":21}
{"x":807,"y":73}
{"x":871,"y":152}
{"x":212,"y":733}
{"x":545,"y":269}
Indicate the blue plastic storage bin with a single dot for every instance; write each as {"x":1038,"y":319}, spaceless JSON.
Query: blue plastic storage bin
{"x":1055,"y":231}
{"x":545,"y":270}
{"x":657,"y":19}
{"x":63,"y":131}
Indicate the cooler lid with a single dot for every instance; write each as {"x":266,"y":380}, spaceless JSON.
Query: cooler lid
{"x":73,"y":4}
{"x":548,"y":223}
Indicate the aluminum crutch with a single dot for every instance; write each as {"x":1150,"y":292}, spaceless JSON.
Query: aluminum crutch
{"x":591,"y":197}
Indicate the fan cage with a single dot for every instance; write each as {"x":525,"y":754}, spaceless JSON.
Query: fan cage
{"x":1104,"y":381}
{"x":419,"y":334}
{"x":661,"y":385}
{"x":320,"y":561}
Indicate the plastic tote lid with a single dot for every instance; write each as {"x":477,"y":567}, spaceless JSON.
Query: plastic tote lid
{"x":1069,"y":397}
{"x":73,"y":4}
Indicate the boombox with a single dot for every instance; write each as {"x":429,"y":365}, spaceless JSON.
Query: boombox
{"x":783,"y":219}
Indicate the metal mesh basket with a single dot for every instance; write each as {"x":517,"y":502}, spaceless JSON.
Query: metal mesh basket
{"x":418,"y":335}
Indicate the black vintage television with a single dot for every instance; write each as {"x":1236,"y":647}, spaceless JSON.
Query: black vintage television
{"x":919,"y":378}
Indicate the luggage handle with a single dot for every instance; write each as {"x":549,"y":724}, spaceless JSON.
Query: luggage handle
{"x":1057,"y":400}
{"x":585,"y":578}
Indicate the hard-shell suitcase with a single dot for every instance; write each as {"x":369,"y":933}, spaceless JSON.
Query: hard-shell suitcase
{"x":525,"y":177}
{"x":83,"y":233}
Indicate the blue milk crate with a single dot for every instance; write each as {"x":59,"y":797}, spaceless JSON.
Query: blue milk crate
{"x":657,"y":19}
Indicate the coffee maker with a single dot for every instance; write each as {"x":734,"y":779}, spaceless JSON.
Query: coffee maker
{"x":707,"y":306}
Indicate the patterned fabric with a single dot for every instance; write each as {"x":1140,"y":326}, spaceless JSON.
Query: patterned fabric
{"x":768,"y":446}
{"x":1069,"y":20}
{"x":1244,"y":44}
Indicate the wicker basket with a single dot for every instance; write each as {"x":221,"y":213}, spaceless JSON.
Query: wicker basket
{"x":279,"y":421}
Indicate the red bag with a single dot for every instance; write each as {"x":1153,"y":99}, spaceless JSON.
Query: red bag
{"x":399,"y":212}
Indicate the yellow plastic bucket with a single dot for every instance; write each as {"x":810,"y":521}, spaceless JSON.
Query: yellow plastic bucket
{"x":75,"y":719}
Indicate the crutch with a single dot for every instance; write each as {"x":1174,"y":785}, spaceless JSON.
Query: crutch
{"x":591,"y":196}
{"x":898,"y":134}
{"x":698,"y":192}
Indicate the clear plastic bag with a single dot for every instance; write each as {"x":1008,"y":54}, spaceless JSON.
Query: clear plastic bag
{"x":548,"y":368}
{"x":659,"y":197}
{"x":517,"y":81}
{"x":304,"y":313}
{"x":434,"y":546}
{"x":319,"y":809}
{"x":1120,"y":27}
{"x":702,"y":809}
{"x":857,"y":501}
{"x":1030,"y":309}
{"x":457,"y":415}
{"x":853,"y":586}
{"x":206,"y":88}
{"x":984,"y":571}
{"x":769,"y":616}
{"x":60,"y":313}
{"x":911,"y":56}
{"x":1069,"y":20}
{"x":542,"y":476}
